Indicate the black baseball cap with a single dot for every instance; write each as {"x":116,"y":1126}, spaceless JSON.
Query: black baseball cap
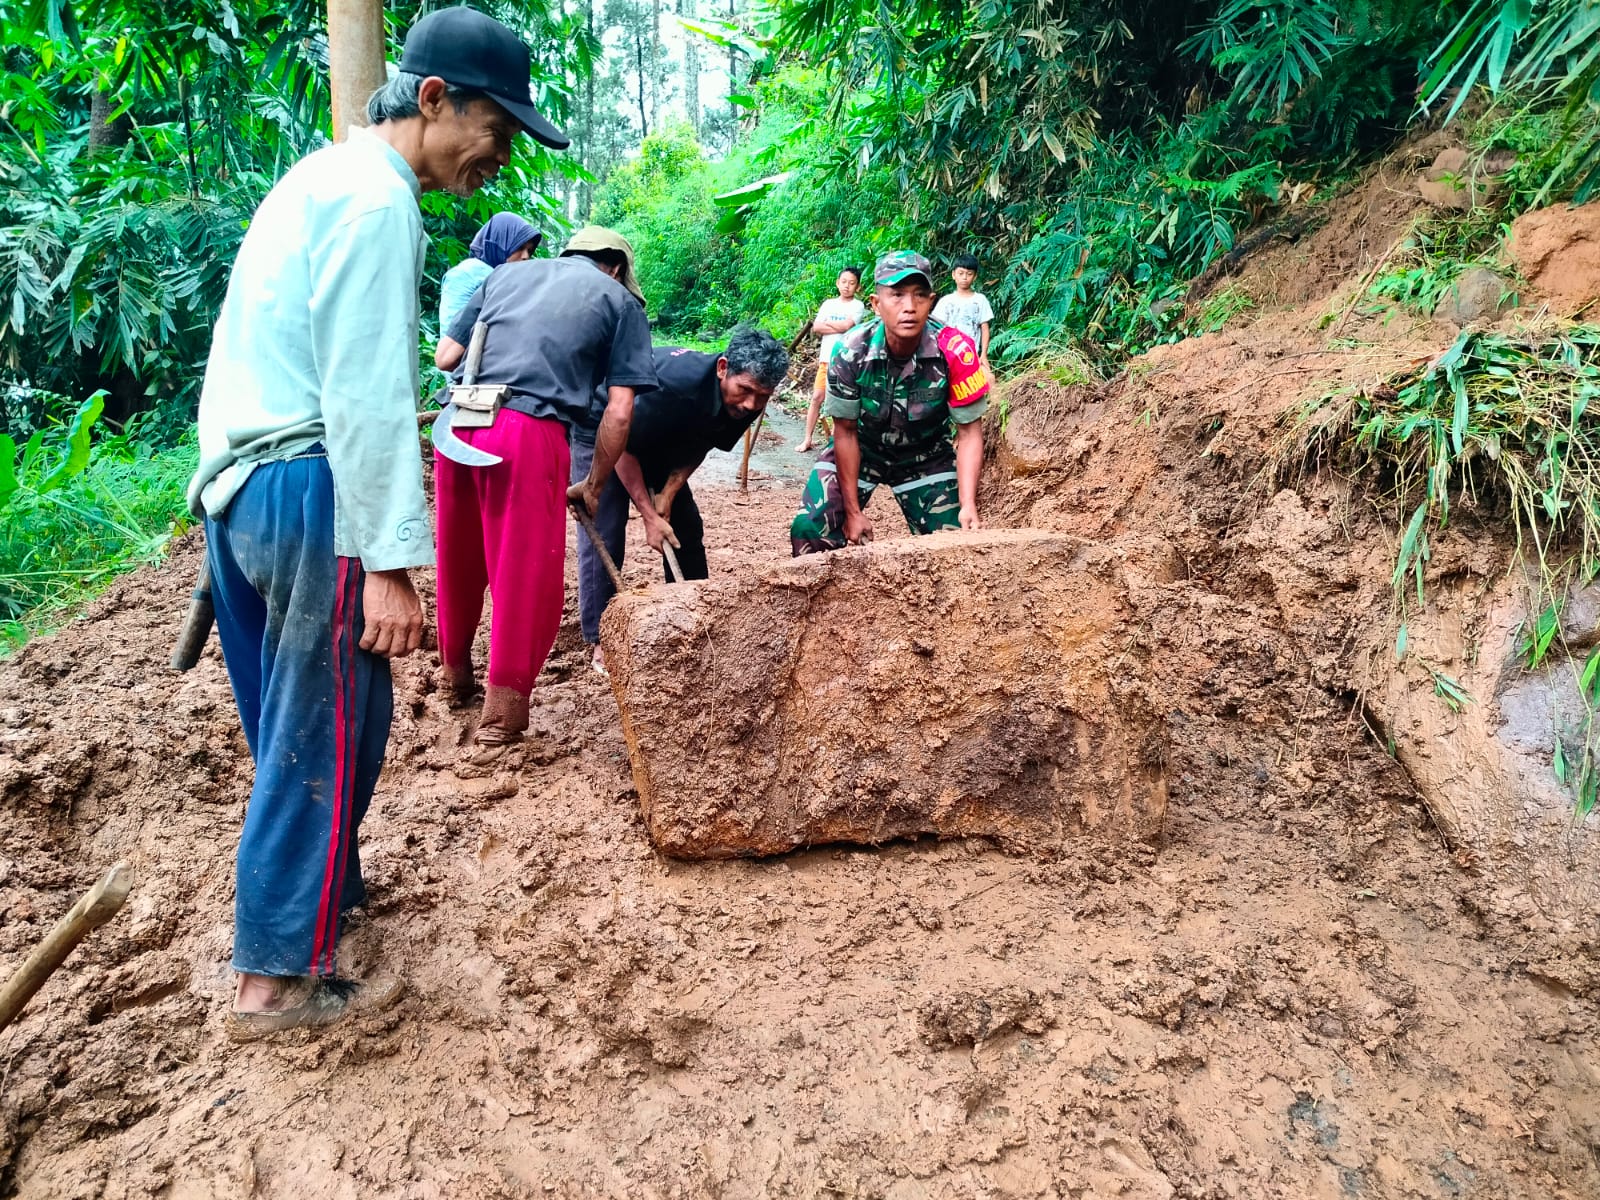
{"x":467,"y":49}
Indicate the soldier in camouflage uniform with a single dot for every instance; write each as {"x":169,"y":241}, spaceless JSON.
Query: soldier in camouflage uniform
{"x":895,"y":386}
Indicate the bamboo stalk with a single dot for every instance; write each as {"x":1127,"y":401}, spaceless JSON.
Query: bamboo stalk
{"x":98,"y":905}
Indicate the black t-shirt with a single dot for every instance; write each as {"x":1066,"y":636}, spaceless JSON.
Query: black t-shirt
{"x":559,"y":329}
{"x":679,"y":423}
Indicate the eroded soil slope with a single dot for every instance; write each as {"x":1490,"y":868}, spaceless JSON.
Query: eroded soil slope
{"x":1289,"y":995}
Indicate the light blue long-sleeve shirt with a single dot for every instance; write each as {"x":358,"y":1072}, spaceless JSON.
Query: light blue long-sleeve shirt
{"x":457,"y":287}
{"x":317,"y":342}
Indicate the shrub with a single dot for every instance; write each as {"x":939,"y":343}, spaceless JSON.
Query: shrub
{"x":76,"y":512}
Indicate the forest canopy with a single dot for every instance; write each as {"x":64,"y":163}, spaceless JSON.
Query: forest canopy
{"x":1094,"y":154}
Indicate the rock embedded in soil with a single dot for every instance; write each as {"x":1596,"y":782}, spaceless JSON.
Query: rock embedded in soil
{"x":956,"y":685}
{"x":1479,"y":295}
{"x":1455,"y":181}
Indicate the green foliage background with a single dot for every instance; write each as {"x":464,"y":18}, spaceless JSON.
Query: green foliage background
{"x":1096,"y":155}
{"x":783,"y":262}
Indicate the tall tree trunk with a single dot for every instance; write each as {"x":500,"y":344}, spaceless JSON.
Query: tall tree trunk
{"x":691,"y":71}
{"x":105,"y":133}
{"x":590,"y":159}
{"x":355,"y":60}
{"x":657,"y":63}
{"x":638,"y":54}
{"x":733,"y":60}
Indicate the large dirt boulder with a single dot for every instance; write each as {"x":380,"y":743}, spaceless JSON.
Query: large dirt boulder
{"x":1557,"y":250}
{"x":957,"y":685}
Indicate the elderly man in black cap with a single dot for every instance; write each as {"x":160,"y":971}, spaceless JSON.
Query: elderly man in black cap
{"x":311,"y":486}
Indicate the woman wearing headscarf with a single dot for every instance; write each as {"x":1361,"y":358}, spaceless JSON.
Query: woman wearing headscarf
{"x":506,"y":238}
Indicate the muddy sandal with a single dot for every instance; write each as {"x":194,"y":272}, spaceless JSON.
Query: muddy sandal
{"x":315,"y":1003}
{"x":488,"y":746}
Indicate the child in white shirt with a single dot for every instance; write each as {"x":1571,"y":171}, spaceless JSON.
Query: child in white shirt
{"x":836,"y":316}
{"x":966,"y":309}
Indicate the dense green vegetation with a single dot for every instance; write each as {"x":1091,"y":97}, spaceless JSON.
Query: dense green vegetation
{"x":1095,"y":154}
{"x":135,"y":140}
{"x":75,"y":512}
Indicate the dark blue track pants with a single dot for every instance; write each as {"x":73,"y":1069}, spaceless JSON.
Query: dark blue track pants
{"x":611,"y":522}
{"x":315,"y":708}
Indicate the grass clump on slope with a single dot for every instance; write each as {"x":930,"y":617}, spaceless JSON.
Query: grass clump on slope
{"x":1506,"y":424}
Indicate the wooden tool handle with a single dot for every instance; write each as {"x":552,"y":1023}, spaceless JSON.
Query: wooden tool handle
{"x":675,"y":572}
{"x":197,"y":625}
{"x":582,"y":514}
{"x":97,"y":906}
{"x":750,"y":436}
{"x":672,"y":562}
{"x":480,"y":334}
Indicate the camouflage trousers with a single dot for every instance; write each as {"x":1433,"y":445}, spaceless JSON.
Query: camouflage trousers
{"x":926,"y":494}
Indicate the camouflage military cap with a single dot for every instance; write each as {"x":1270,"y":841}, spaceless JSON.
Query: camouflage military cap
{"x":900,"y":265}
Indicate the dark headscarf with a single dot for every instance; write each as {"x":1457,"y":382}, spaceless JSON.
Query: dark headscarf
{"x":504,"y":235}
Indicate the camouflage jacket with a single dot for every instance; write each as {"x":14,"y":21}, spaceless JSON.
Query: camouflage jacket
{"x":904,"y":410}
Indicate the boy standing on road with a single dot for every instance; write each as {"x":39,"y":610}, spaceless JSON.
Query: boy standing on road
{"x":966,"y":309}
{"x":834,"y":318}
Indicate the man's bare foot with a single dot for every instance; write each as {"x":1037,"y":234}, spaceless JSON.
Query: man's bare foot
{"x":803,"y":447}
{"x":267,"y":1004}
{"x":260,"y":993}
{"x":598,"y":662}
{"x":487,"y":748}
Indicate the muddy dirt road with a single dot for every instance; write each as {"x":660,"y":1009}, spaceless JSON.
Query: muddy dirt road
{"x":1286,"y":997}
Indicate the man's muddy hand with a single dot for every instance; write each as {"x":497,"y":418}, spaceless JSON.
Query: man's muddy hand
{"x":657,"y":531}
{"x":582,"y":496}
{"x":857,"y":528}
{"x":969,"y":517}
{"x":393,"y":614}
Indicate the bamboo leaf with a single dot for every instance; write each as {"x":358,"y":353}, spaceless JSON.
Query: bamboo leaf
{"x":1588,"y":679}
{"x":1536,"y":643}
{"x":8,"y":468}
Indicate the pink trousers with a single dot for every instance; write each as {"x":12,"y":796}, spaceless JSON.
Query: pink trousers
{"x":505,"y":528}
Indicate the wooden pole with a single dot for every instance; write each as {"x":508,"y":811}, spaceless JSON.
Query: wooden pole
{"x":355,"y":60}
{"x":750,"y":436}
{"x":671,"y":556}
{"x":97,"y":906}
{"x":593,"y":534}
